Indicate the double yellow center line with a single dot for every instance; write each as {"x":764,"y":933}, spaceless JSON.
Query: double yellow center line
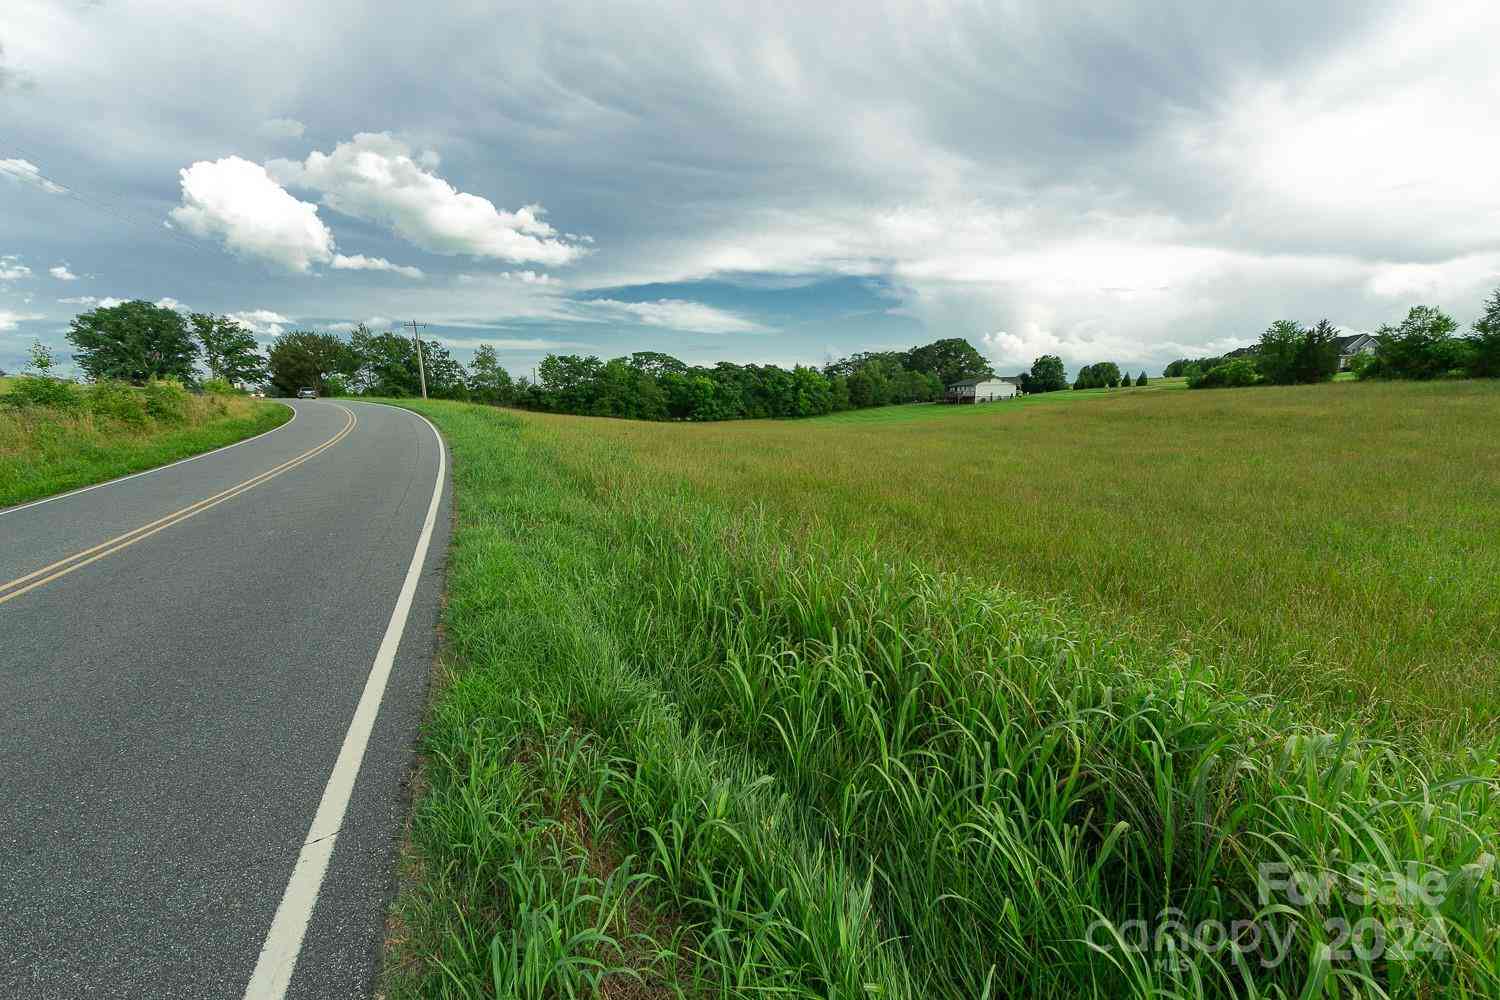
{"x":78,"y":560}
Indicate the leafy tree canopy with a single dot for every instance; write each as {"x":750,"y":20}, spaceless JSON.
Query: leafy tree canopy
{"x":951,"y":360}
{"x":133,"y":342}
{"x":229,"y":350}
{"x":305,"y":358}
{"x":1047,"y":375}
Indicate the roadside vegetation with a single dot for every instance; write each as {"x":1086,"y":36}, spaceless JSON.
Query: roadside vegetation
{"x":56,"y":436}
{"x":856,"y":708}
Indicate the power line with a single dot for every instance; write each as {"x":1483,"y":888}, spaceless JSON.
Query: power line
{"x":116,"y":212}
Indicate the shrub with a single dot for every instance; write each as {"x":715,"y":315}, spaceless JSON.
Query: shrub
{"x":118,"y":401}
{"x":29,"y":391}
{"x":1230,"y":374}
{"x":165,"y":401}
{"x":221,"y":386}
{"x":1364,"y":365}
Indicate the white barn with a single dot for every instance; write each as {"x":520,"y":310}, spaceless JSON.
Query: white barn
{"x":981,"y":390}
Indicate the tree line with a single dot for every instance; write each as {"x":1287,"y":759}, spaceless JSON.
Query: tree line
{"x":1425,"y":345}
{"x":137,"y":342}
{"x":644,"y":385}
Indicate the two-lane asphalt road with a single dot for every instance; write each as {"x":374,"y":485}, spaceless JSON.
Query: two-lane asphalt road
{"x":211,"y":677}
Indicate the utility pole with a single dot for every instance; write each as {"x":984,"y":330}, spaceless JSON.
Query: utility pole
{"x":421,"y":367}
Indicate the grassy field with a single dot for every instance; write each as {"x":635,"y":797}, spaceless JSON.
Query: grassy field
{"x":1335,"y":541}
{"x":44,"y":451}
{"x":964,"y":706}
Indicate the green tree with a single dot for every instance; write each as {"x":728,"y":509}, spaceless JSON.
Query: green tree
{"x":1047,"y":375}
{"x":321,"y":361}
{"x":1317,"y":357}
{"x":133,"y":342}
{"x":1104,"y":374}
{"x":446,"y":378}
{"x":384,"y":364}
{"x":41,"y":359}
{"x":1140,"y":379}
{"x":951,"y":360}
{"x":488,"y":382}
{"x":656,"y":364}
{"x":1422,"y":346}
{"x":1276,"y":356}
{"x":838,"y":393}
{"x":1125,"y":381}
{"x":229,"y":350}
{"x":1485,"y":343}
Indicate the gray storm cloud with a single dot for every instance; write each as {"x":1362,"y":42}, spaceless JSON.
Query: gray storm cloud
{"x":1134,"y":179}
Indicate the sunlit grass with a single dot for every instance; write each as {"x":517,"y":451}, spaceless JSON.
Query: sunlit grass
{"x":45,"y":451}
{"x":687,"y":746}
{"x":1332,"y":541}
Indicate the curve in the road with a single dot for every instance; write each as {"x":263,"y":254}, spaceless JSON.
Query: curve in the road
{"x":62,"y":567}
{"x":205,"y":738}
{"x":146,"y":472}
{"x":278,"y":956}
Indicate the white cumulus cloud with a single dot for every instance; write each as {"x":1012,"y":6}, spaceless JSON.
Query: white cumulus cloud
{"x":238,"y":202}
{"x":79,"y":300}
{"x":266,"y":322}
{"x":359,"y":262}
{"x":29,"y":173}
{"x":676,"y":314}
{"x":374,"y":178}
{"x":61,"y":273}
{"x":11,"y":269}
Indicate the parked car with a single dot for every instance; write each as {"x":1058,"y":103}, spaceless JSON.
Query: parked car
{"x":307,"y":393}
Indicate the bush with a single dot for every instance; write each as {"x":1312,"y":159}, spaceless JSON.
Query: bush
{"x":1364,"y":366}
{"x":29,"y":391}
{"x":1229,"y":375}
{"x":165,"y":401}
{"x":118,"y":401}
{"x":221,"y":387}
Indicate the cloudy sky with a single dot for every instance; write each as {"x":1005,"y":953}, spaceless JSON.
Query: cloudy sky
{"x":778,"y":183}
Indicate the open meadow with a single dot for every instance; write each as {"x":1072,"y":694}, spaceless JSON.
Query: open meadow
{"x":1331,"y":540}
{"x":1013,"y":700}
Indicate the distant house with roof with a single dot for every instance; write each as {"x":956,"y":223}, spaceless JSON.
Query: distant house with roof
{"x":981,"y":390}
{"x":1351,"y":345}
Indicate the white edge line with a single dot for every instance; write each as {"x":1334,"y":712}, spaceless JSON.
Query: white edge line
{"x":159,"y":468}
{"x":283,"y":944}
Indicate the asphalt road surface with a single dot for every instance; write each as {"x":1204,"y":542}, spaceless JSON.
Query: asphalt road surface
{"x":211,"y":677}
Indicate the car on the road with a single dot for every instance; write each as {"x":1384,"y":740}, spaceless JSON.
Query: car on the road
{"x":306,"y":393}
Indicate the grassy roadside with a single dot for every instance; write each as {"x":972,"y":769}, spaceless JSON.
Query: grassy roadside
{"x":47,"y":450}
{"x":684,"y":750}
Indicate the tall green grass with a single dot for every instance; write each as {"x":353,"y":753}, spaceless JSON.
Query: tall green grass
{"x":113,"y":430}
{"x":683,"y":750}
{"x":1332,"y":543}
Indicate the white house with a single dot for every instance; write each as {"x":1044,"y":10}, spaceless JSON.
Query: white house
{"x":980,"y":390}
